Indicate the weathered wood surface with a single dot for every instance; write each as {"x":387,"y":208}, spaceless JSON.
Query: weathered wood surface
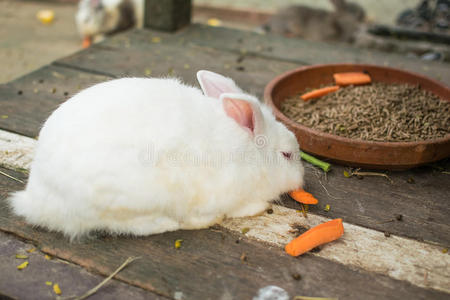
{"x":307,"y":52}
{"x":29,"y":100}
{"x":73,"y":280}
{"x":174,"y":55}
{"x":373,"y":202}
{"x":247,"y":45}
{"x":421,"y":264}
{"x":208,"y":265}
{"x":16,"y":150}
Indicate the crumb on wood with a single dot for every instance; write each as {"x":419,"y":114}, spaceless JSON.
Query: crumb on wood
{"x":297,"y":229}
{"x":244,"y":257}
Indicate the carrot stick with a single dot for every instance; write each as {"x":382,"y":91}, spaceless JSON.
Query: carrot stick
{"x":316,"y":236}
{"x":301,"y":196}
{"x":319,"y":92}
{"x":349,"y":78}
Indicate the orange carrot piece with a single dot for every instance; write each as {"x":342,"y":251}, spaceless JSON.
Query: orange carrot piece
{"x":316,"y":236}
{"x":301,"y":196}
{"x":319,"y":92}
{"x":351,"y":78}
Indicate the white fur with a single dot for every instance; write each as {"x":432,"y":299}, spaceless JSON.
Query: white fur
{"x":96,"y":23}
{"x":141,"y":156}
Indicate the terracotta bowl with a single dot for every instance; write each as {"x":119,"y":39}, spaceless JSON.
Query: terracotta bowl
{"x":354,"y":152}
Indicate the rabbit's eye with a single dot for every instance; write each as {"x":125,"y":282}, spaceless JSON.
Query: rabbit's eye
{"x":287,"y":155}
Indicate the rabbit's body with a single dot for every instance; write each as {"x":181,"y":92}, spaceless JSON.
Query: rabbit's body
{"x":144,"y":156}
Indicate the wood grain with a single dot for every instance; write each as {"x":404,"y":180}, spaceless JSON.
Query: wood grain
{"x":209,"y":264}
{"x":277,"y":48}
{"x":374,"y":202}
{"x":307,"y":52}
{"x":174,"y":55}
{"x":72,"y":279}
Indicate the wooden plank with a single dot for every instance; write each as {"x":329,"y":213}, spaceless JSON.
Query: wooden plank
{"x":373,"y":202}
{"x":403,"y":33}
{"x":298,"y":51}
{"x":307,"y":52}
{"x":209,"y":264}
{"x":419,"y":263}
{"x":26,"y":103}
{"x":72,"y":279}
{"x":167,"y":15}
{"x":173,"y":55}
{"x":16,"y":150}
{"x":247,"y":47}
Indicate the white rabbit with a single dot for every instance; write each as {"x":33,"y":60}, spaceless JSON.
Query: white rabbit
{"x":147,"y":155}
{"x":97,"y":18}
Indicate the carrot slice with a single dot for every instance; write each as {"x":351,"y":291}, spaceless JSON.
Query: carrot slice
{"x":301,"y":196}
{"x":349,"y":78}
{"x":319,"y":92}
{"x":316,"y":236}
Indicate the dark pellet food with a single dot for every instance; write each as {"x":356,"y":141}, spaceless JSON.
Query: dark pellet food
{"x":376,"y":112}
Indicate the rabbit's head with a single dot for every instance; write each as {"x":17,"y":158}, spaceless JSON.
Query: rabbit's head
{"x":275,"y":147}
{"x":97,"y":17}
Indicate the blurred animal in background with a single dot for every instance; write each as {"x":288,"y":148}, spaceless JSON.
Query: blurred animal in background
{"x":318,"y":24}
{"x":429,"y":15}
{"x":97,"y":18}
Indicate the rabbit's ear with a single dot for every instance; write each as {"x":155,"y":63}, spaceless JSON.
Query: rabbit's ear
{"x":245,"y":113}
{"x":213,"y":84}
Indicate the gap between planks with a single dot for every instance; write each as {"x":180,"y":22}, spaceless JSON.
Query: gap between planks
{"x":421,"y":264}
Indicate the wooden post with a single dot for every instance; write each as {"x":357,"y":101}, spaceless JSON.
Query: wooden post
{"x":167,"y":15}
